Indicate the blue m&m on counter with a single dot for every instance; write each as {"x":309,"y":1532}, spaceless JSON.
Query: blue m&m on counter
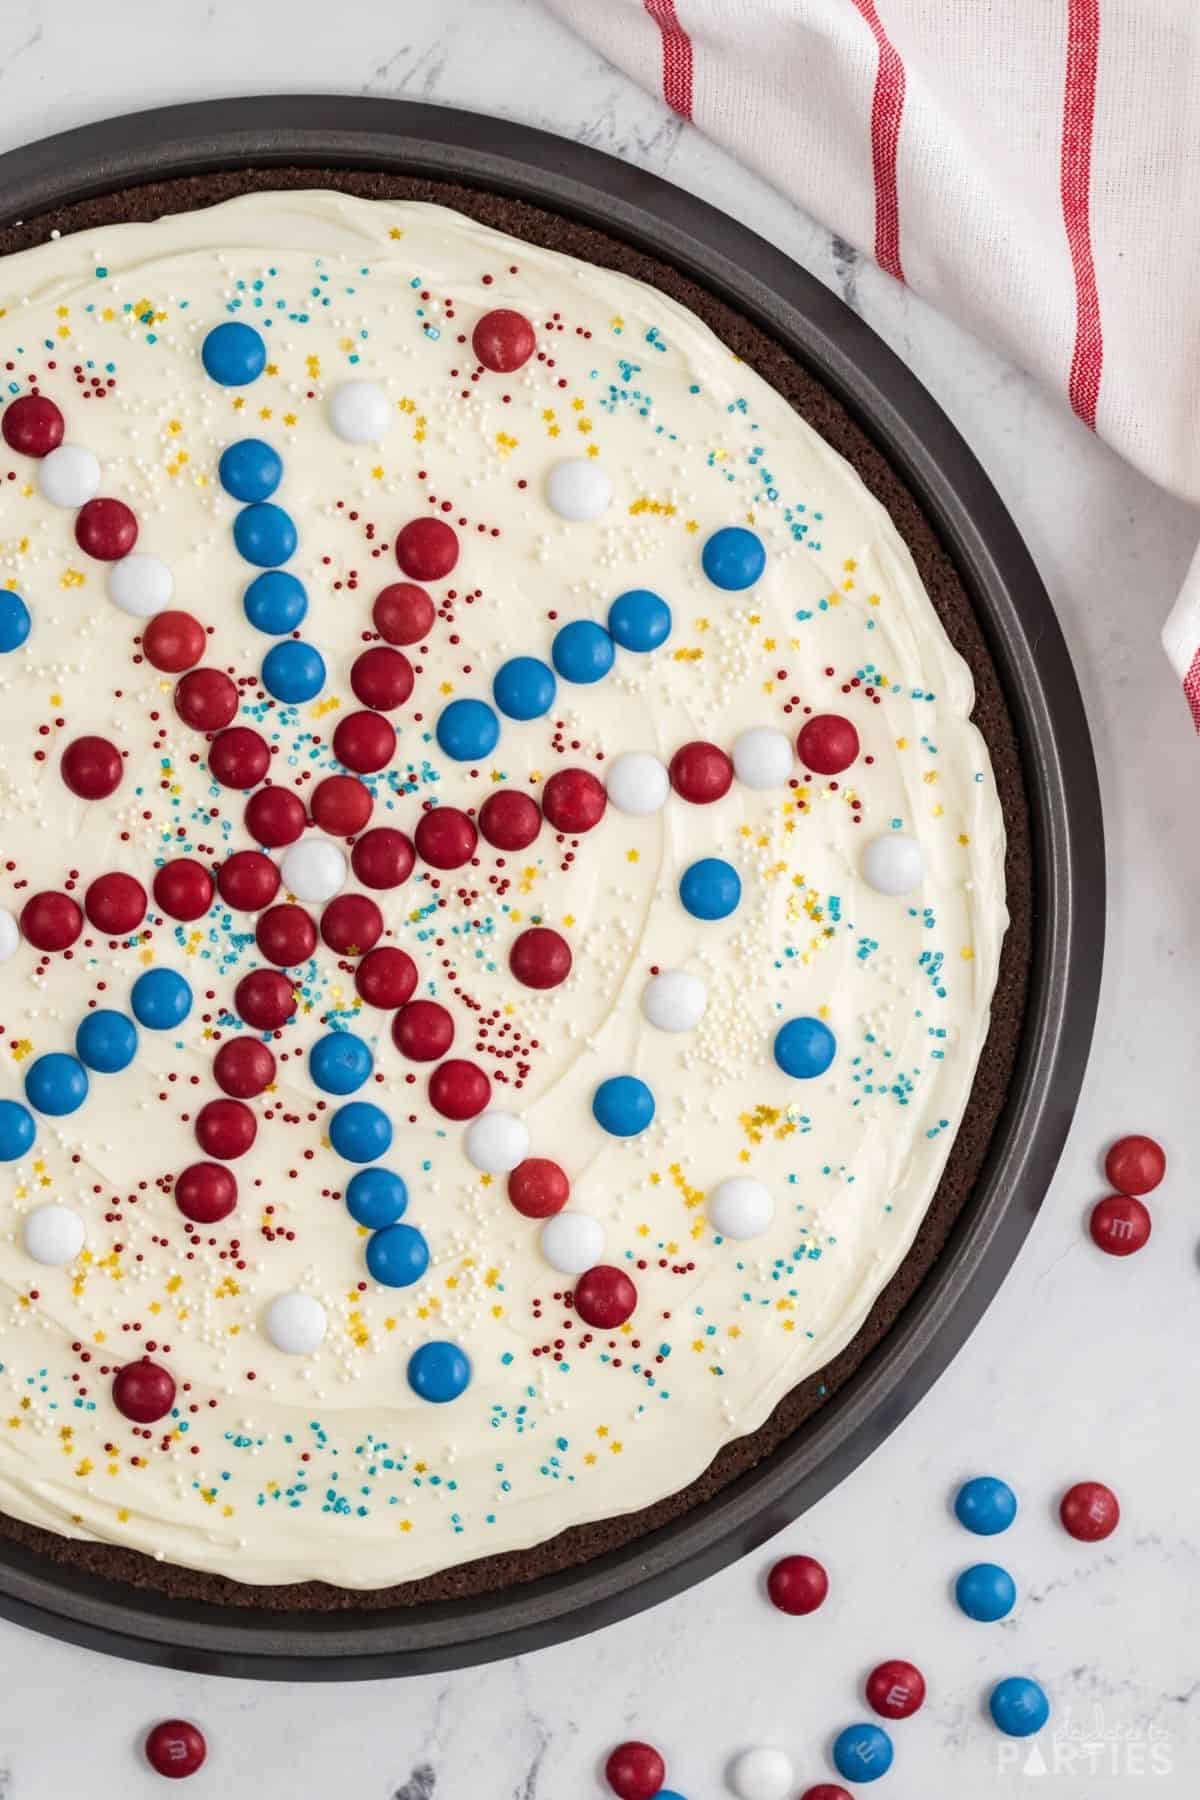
{"x":161,"y":998}
{"x":804,"y":1048}
{"x":582,"y":652}
{"x":733,"y":558}
{"x":233,"y":354}
{"x":376,"y":1197}
{"x":56,"y":1084}
{"x":14,"y":621}
{"x":275,"y":602}
{"x":710,"y":888}
{"x":862,"y":1753}
{"x":106,"y":1041}
{"x":639,"y":620}
{"x":265,"y":535}
{"x":250,"y":470}
{"x":985,"y":1505}
{"x":986,"y":1592}
{"x":293,"y":672}
{"x":524,"y":688}
{"x":439,"y":1372}
{"x":1018,"y":1706}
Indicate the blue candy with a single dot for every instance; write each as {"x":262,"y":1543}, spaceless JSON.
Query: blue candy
{"x":623,"y":1105}
{"x":639,"y":620}
{"x":986,"y":1592}
{"x":397,"y":1256}
{"x":14,"y":621}
{"x":265,"y":535}
{"x":468,"y":730}
{"x":733,"y":558}
{"x":710,"y":888}
{"x":862,"y":1753}
{"x":985,"y":1505}
{"x":233,"y":354}
{"x":56,"y":1084}
{"x":17,"y":1130}
{"x":293,"y":671}
{"x":1018,"y":1706}
{"x":160,"y":999}
{"x":439,"y":1372}
{"x":340,"y":1062}
{"x":804,"y":1048}
{"x":524,"y":688}
{"x":250,"y":470}
{"x":275,"y":602}
{"x":360,"y":1132}
{"x":582,"y":651}
{"x":375,"y":1198}
{"x":106,"y":1041}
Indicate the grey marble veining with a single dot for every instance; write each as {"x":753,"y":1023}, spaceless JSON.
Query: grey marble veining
{"x":1083,"y":1366}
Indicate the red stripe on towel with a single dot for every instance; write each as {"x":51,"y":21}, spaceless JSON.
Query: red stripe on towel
{"x":1079,"y":112}
{"x":887,"y":108}
{"x":676,"y":56}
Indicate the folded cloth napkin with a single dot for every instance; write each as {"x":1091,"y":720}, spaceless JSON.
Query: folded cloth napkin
{"x":1031,"y":166}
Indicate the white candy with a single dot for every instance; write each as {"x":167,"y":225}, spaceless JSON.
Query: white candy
{"x":740,"y":1207}
{"x":578,"y":490}
{"x":674,"y":1000}
{"x":360,"y":412}
{"x":892,"y":864}
{"x":637,"y":783}
{"x":141,"y":585}
{"x":10,"y":935}
{"x":496,"y":1142}
{"x":69,"y":476}
{"x":314,"y":869}
{"x":572,"y":1242}
{"x":295,"y":1323}
{"x":762,"y":1774}
{"x":53,"y":1234}
{"x":762,"y":757}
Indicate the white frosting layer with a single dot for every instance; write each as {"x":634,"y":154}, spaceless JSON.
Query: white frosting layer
{"x":327,"y":1464}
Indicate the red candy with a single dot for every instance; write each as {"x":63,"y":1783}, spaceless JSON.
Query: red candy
{"x":183,"y":888}
{"x":458,"y":1089}
{"x":92,"y":768}
{"x":503,"y":340}
{"x":365,"y":742}
{"x":115,"y":903}
{"x":825,"y":1790}
{"x":239,"y":757}
{"x":827,"y":744}
{"x":538,"y":1188}
{"x":143,"y":1391}
{"x":286,"y":935}
{"x":423,"y":1031}
{"x":32,"y":425}
{"x":1120,"y":1225}
{"x":243,"y":1068}
{"x":173,"y":641}
{"x":635,"y":1771}
{"x":383,"y":858}
{"x":701,"y":773}
{"x":386,"y":978}
{"x":341,"y":805}
{"x":574,"y":800}
{"x":264,"y":999}
{"x":427,"y":549}
{"x":247,"y":881}
{"x":351,"y":924}
{"x":605,"y":1297}
{"x":1090,"y":1511}
{"x":445,"y":838}
{"x":51,"y":921}
{"x":175,"y":1749}
{"x":225,"y":1129}
{"x":105,"y":529}
{"x":206,"y":699}
{"x":797,"y":1585}
{"x":381,"y":678}
{"x":510,"y":820}
{"x":540,"y":957}
{"x":274,"y":817}
{"x":206,"y":1193}
{"x":1135,"y":1165}
{"x":403,"y":614}
{"x":895,"y":1689}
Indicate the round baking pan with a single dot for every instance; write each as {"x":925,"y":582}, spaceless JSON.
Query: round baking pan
{"x":1040,"y":689}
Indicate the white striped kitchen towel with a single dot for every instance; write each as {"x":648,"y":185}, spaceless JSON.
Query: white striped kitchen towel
{"x":1031,"y":166}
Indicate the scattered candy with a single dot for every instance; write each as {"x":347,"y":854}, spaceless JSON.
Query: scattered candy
{"x":53,"y":1235}
{"x":17,"y":1130}
{"x":540,"y":957}
{"x":225,"y":1129}
{"x":92,"y":768}
{"x":862,"y":1753}
{"x":623,"y":1106}
{"x":32,"y":425}
{"x":578,"y":490}
{"x":397,"y":1256}
{"x":275,"y":817}
{"x":313,"y":870}
{"x":524,"y":688}
{"x":459,"y":1089}
{"x":175,"y":1748}
{"x":445,"y":838}
{"x":173,"y":641}
{"x":827,"y":744}
{"x":496,"y":1142}
{"x":423,"y":1031}
{"x":1090,"y":1511}
{"x":360,"y":412}
{"x":243,"y":1068}
{"x":376,"y":1198}
{"x":797,"y":1585}
{"x":572,"y":1242}
{"x":250,"y":470}
{"x":386,"y":977}
{"x":184,"y":889}
{"x":986,"y":1592}
{"x":233,"y":354}
{"x":56,"y":1084}
{"x":673,"y":1000}
{"x":439,"y":1372}
{"x":143,"y":1391}
{"x":985,"y":1505}
{"x":206,"y":1193}
{"x":106,"y":1041}
{"x":360,"y":1132}
{"x":15,"y":621}
{"x":51,"y":921}
{"x":574,"y":800}
{"x":10,"y":935}
{"x":468,"y":730}
{"x":605,"y":1297}
{"x":710,"y":888}
{"x":352,"y":924}
{"x":762,"y":1773}
{"x":503,"y":340}
{"x":892,"y":863}
{"x":582,"y":652}
{"x":804,"y":1048}
{"x":106,"y":529}
{"x":1135,"y":1165}
{"x":635,"y":1771}
{"x":382,"y":678}
{"x":340,"y":1062}
{"x":701,"y":773}
{"x":115,"y":903}
{"x":265,"y":535}
{"x":733,"y":558}
{"x":1120,"y":1225}
{"x":639,"y":620}
{"x":264,"y":999}
{"x":762,"y":757}
{"x":383,"y":858}
{"x":206,"y":699}
{"x":637,"y":783}
{"x":538,"y":1188}
{"x":69,"y":476}
{"x":403,"y":614}
{"x":427,"y":549}
{"x":510,"y":820}
{"x":140,"y":585}
{"x":247,"y":881}
{"x":740,"y":1207}
{"x":1018,"y":1706}
{"x":296,"y":1324}
{"x":895,"y":1690}
{"x":239,"y":757}
{"x":275,"y":602}
{"x":293,"y":672}
{"x":286,"y":935}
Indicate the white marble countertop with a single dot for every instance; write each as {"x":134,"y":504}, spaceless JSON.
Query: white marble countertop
{"x":1082,"y":1367}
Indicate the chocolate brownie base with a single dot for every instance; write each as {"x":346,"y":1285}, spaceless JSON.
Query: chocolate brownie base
{"x":990,"y":1089}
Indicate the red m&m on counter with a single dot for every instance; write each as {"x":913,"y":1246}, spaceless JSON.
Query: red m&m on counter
{"x":1090,"y":1511}
{"x":895,"y":1689}
{"x":1135,"y":1165}
{"x":635,"y":1771}
{"x":797,"y":1585}
{"x":175,"y":1748}
{"x":1120,"y":1225}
